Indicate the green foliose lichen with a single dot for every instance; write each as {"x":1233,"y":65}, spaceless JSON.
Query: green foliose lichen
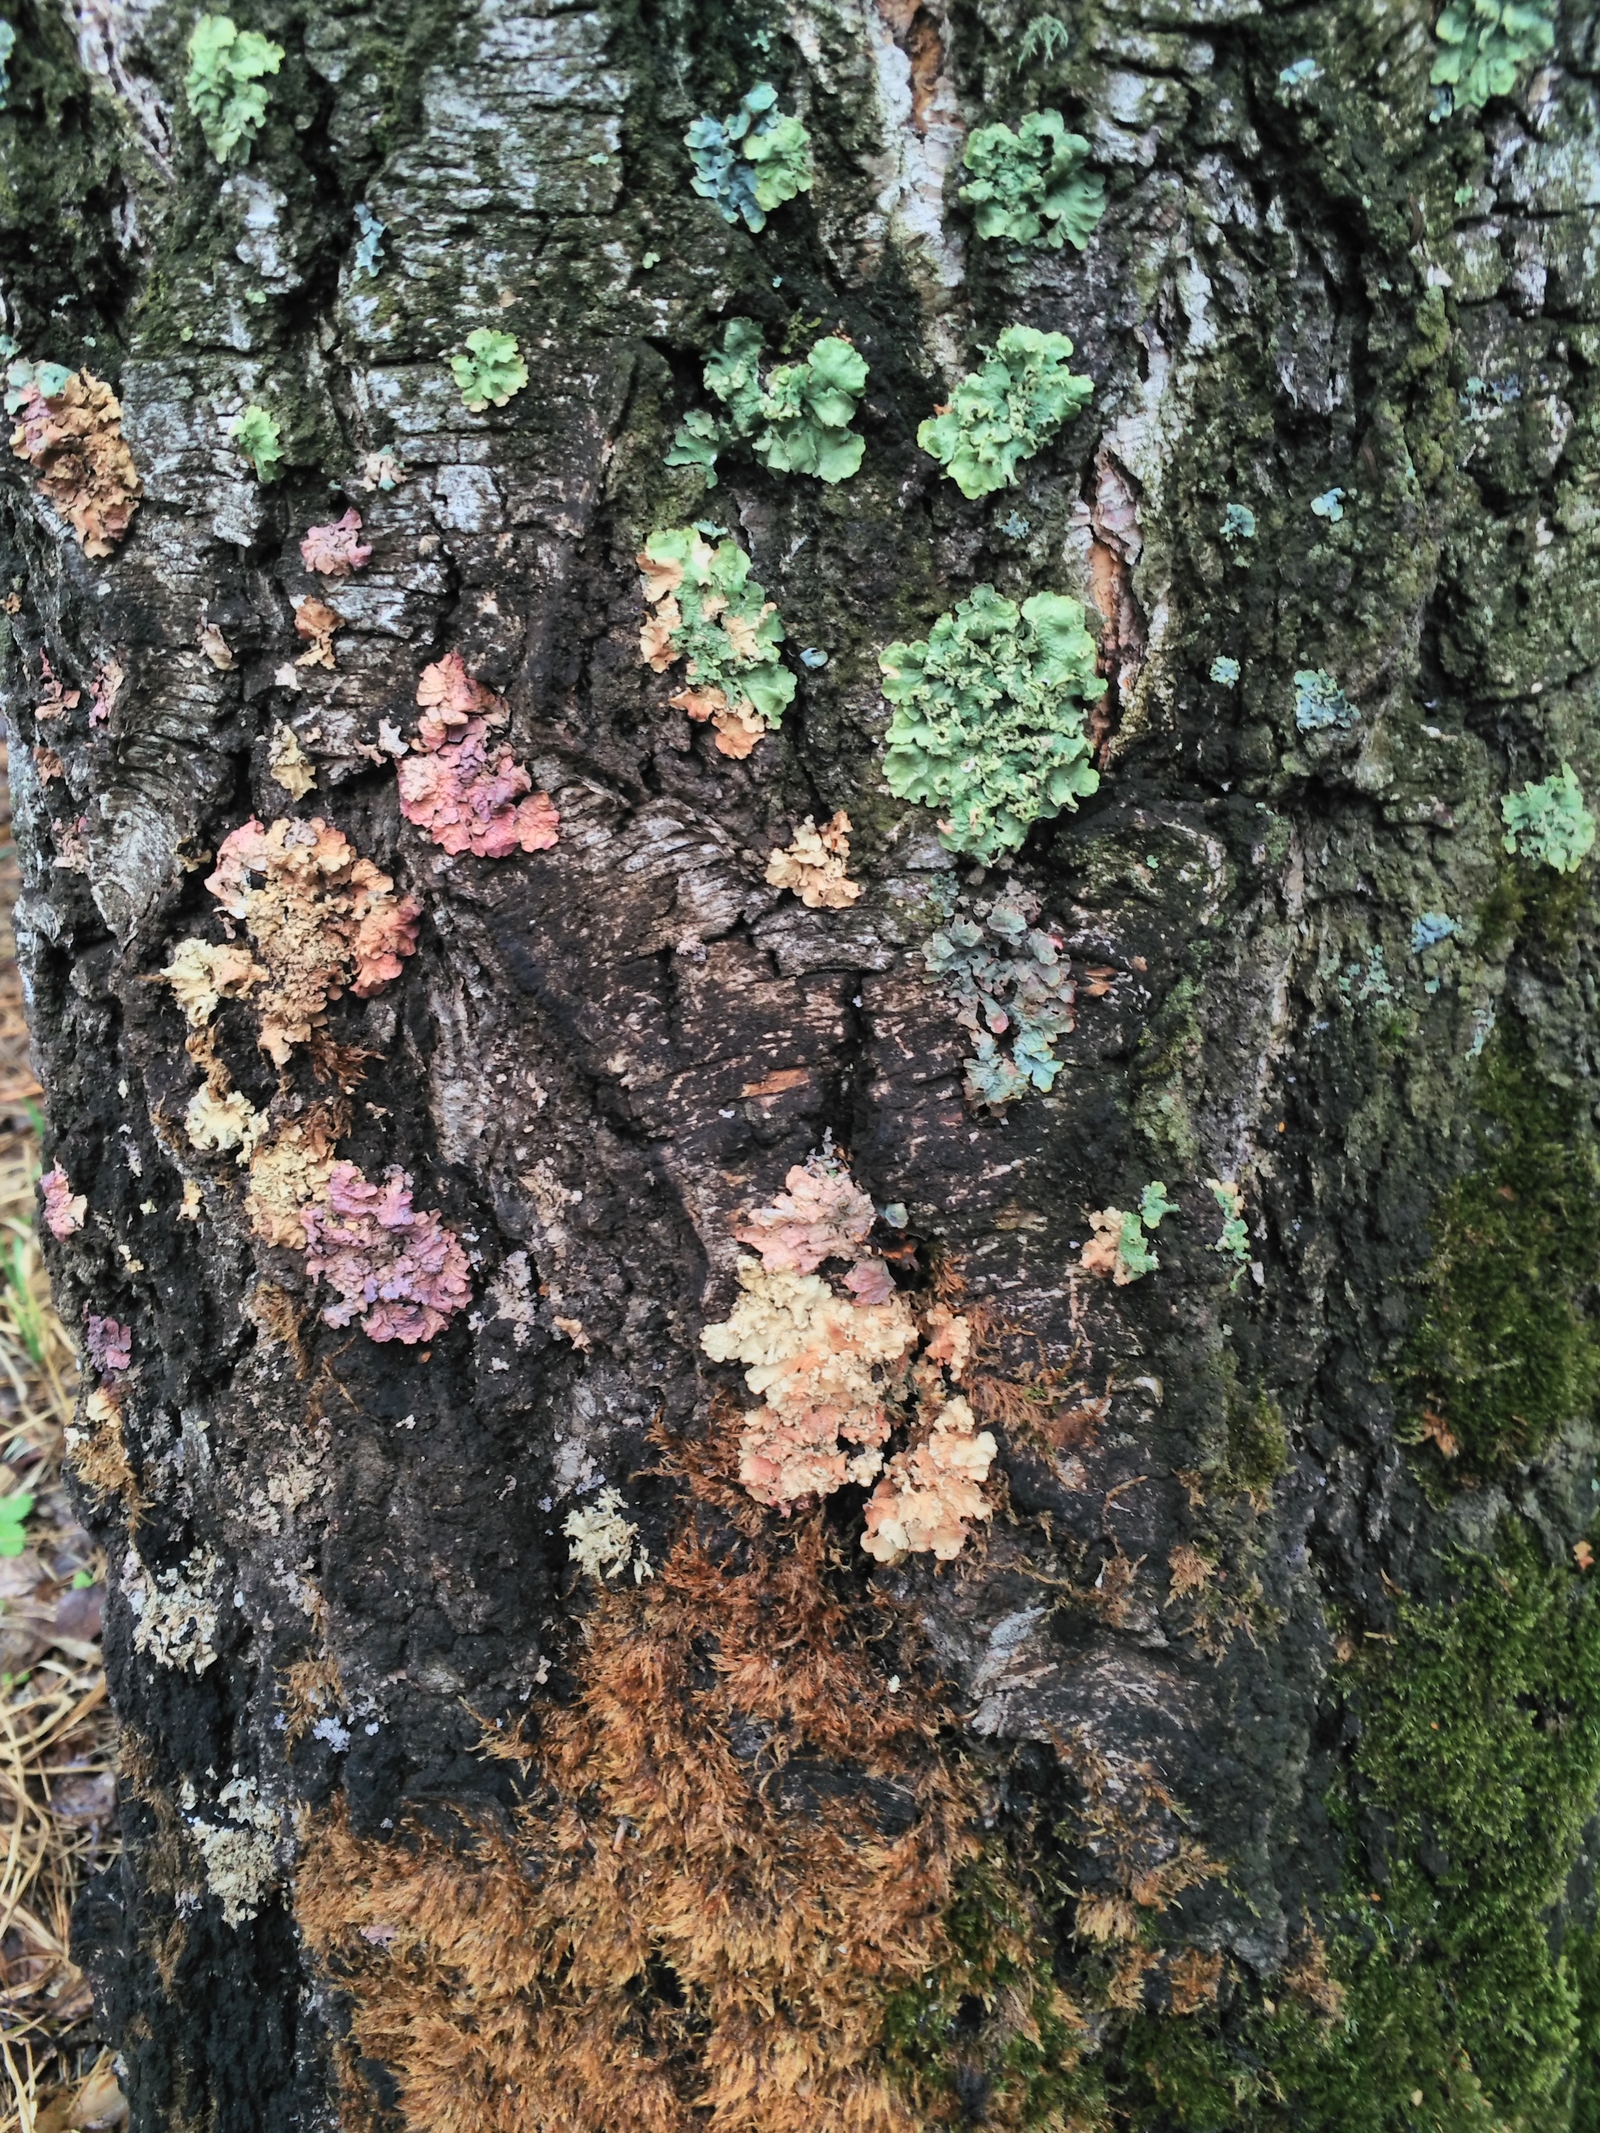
{"x":1504,"y":1352}
{"x":989,"y":717}
{"x":489,"y":370}
{"x":1031,"y":186}
{"x":797,"y":423}
{"x":1003,"y":414}
{"x":1549,"y":822}
{"x":225,"y":86}
{"x":259,"y":441}
{"x":710,"y":613}
{"x":750,"y":163}
{"x":1487,"y":44}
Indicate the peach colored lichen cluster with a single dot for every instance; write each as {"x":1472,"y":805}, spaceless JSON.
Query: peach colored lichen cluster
{"x":321,"y":921}
{"x":337,"y":549}
{"x":401,"y":1269}
{"x":816,"y":865}
{"x":461,"y":786}
{"x":834,"y":1372}
{"x":64,"y":1209}
{"x":74,"y":444}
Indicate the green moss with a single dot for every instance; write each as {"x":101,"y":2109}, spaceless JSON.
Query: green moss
{"x":1476,"y":1773}
{"x":1505,"y":1350}
{"x":994,"y":2021}
{"x":1169,"y":1049}
{"x":1258,"y":1443}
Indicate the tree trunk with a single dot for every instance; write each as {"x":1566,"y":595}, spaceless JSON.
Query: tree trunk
{"x":509,"y":1737}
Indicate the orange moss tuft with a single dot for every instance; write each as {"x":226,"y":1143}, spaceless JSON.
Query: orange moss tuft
{"x":743,"y":1843}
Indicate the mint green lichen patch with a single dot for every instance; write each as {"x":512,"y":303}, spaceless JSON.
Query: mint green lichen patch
{"x":710,"y":613}
{"x":1013,"y":990}
{"x":8,"y":44}
{"x":1329,"y":505}
{"x":225,"y":86}
{"x":1032,"y":186}
{"x":1238,"y":524}
{"x":1549,"y":822}
{"x":1225,"y":671}
{"x":259,"y":441}
{"x":1487,"y":44}
{"x":750,"y":163}
{"x":49,"y":379}
{"x":1004,"y":413}
{"x":989,"y":717}
{"x":1134,"y":1257}
{"x":489,"y":370}
{"x":797,"y":423}
{"x":1234,"y":1243}
{"x":1320,"y":703}
{"x":1154,"y":1205}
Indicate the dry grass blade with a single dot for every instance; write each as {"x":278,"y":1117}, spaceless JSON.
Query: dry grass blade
{"x":56,"y":1783}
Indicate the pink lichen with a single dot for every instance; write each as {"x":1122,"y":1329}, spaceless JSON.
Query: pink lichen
{"x":461,"y":787}
{"x":55,"y":701}
{"x":822,"y":1215}
{"x":110,"y":1345}
{"x":107,"y":687}
{"x":64,"y":1209}
{"x":74,"y":444}
{"x":402,"y":1270}
{"x":321,"y":919}
{"x":334,"y":550}
{"x":449,"y":698}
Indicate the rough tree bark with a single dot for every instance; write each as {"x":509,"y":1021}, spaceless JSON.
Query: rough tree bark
{"x":1239,"y":1769}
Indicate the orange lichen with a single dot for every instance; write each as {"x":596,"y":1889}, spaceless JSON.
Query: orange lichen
{"x":931,"y":1492}
{"x":321,"y":920}
{"x":698,"y":1919}
{"x":74,"y":444}
{"x":815,"y":864}
{"x":316,"y":621}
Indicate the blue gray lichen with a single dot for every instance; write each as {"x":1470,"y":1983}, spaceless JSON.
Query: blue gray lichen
{"x":1013,"y":990}
{"x":750,"y":163}
{"x":1320,"y":703}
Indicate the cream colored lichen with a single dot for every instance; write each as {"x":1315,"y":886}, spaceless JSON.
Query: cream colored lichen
{"x":823,"y":1366}
{"x":203,"y":976}
{"x":217,"y":1123}
{"x":174,"y":1616}
{"x":604,"y":1540}
{"x":288,"y":764}
{"x":240,"y":1854}
{"x":815,"y":865}
{"x":930,"y":1492}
